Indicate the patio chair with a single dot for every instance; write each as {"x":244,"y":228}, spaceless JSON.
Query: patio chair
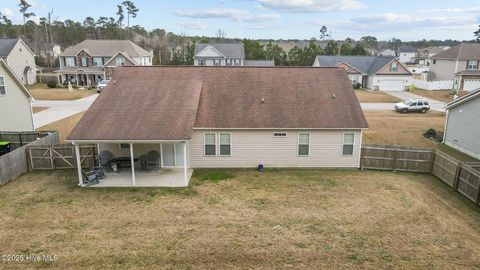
{"x":152,"y":161}
{"x":90,"y":178}
{"x":104,"y":160}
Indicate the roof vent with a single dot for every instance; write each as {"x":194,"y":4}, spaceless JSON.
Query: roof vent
{"x":263,"y":100}
{"x":333,"y":96}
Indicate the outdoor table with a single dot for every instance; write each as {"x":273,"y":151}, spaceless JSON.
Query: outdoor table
{"x":121,"y":162}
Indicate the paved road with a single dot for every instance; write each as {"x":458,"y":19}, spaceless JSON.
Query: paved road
{"x":434,"y":104}
{"x":390,"y":106}
{"x":59,"y":109}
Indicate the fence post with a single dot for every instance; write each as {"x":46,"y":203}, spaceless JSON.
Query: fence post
{"x":457,"y":176}
{"x":395,"y":159}
{"x":432,"y":160}
{"x":20,"y":138}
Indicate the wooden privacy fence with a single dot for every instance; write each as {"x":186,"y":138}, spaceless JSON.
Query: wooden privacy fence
{"x":15,"y":163}
{"x":395,"y":158}
{"x":57,"y":157}
{"x":19,"y":139}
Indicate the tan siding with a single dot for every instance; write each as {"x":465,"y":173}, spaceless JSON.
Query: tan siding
{"x":15,"y":108}
{"x":444,"y":69}
{"x":249,"y":148}
{"x":386,"y":69}
{"x":18,"y":60}
{"x":113,"y":62}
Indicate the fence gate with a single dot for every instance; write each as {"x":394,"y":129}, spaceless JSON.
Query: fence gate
{"x":59,"y":157}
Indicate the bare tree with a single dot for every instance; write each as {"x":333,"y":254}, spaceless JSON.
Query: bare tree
{"x":221,"y":34}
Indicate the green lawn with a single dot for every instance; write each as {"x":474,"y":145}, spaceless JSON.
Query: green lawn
{"x":243,"y":219}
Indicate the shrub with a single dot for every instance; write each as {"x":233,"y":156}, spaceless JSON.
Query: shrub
{"x":431,"y":132}
{"x":52,"y":84}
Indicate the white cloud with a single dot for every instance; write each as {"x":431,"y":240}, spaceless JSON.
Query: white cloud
{"x":311,"y":6}
{"x":193,"y":25}
{"x":7,"y":12}
{"x":226,"y":13}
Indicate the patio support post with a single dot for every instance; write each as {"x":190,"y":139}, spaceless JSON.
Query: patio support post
{"x":185,"y":173}
{"x":79,"y":165}
{"x":132,"y":160}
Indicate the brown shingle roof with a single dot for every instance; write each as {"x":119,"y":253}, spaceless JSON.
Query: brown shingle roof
{"x":461,"y":52}
{"x":159,"y":103}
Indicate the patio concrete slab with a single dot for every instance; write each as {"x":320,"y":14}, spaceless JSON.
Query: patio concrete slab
{"x":163,"y":178}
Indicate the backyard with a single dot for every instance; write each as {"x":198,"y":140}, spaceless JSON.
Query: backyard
{"x":368,"y":96}
{"x":303,"y":219}
{"x":40,"y":91}
{"x":390,"y":127}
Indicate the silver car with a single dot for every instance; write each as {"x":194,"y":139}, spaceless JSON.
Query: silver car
{"x":413,"y":105}
{"x":102,"y":85}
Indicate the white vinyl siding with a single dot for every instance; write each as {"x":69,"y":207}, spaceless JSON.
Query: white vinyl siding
{"x":252,"y":147}
{"x":3,"y":90}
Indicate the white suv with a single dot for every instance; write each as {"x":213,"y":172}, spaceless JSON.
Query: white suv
{"x":413,"y":105}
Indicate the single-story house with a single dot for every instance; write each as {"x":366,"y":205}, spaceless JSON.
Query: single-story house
{"x":214,"y":117}
{"x":383,"y":73}
{"x":462,"y":127}
{"x":15,"y":102}
{"x":20,"y":58}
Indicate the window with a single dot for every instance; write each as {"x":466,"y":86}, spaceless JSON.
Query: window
{"x":434,"y":61}
{"x":97,"y":62}
{"x":202,"y":62}
{"x":120,"y":61}
{"x":69,"y":61}
{"x":2,"y":86}
{"x":394,"y":67}
{"x":216,"y":62}
{"x":210,"y":145}
{"x":472,"y":64}
{"x":228,"y":62}
{"x":225,"y":144}
{"x":124,"y":146}
{"x":84,"y":61}
{"x":348,"y":139}
{"x":303,"y":144}
{"x":280,"y":134}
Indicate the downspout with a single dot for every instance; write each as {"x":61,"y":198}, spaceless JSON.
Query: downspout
{"x":445,"y":128}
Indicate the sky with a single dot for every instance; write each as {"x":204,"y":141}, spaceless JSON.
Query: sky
{"x":281,"y":19}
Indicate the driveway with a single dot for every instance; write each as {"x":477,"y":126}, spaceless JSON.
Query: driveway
{"x":59,"y":109}
{"x":435,"y":105}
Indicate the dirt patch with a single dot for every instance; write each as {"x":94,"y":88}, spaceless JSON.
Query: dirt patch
{"x":39,"y":109}
{"x":367,"y":96}
{"x":42,"y":92}
{"x":304,"y":219}
{"x":440,"y":95}
{"x":390,"y":127}
{"x":64,"y":126}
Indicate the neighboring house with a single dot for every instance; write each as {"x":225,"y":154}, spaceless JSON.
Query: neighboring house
{"x":91,"y":61}
{"x":225,"y":55}
{"x":423,"y":56}
{"x":236,"y":117}
{"x":460,"y":64}
{"x":15,"y":102}
{"x":383,"y":73}
{"x":20,"y":58}
{"x":462,"y":127}
{"x":406,"y":55}
{"x":387,"y":52}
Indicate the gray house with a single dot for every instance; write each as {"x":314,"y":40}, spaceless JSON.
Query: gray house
{"x":20,"y":58}
{"x":227,"y":54}
{"x":462,"y":128}
{"x":383,"y":73}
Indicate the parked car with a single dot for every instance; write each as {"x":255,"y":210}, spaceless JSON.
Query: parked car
{"x":413,"y":105}
{"x":102,"y":85}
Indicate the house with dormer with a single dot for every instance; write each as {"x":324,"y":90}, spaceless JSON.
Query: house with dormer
{"x":91,"y":61}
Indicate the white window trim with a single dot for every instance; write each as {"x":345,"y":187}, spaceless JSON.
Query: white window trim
{"x":4,"y":86}
{"x":220,"y":144}
{"x":67,"y":62}
{"x":94,"y":62}
{"x":471,"y":67}
{"x":309,"y":143}
{"x":119,"y":61}
{"x":343,"y":144}
{"x":216,"y":145}
{"x":286,"y":134}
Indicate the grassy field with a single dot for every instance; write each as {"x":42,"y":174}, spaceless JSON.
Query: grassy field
{"x":390,"y":127}
{"x":64,"y":126}
{"x":440,"y":95}
{"x":40,"y":91}
{"x":39,"y":109}
{"x":239,"y":219}
{"x":367,"y":96}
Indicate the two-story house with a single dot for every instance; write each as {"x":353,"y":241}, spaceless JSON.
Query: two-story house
{"x":423,"y":56}
{"x":232,"y":54}
{"x":460,"y":64}
{"x":383,"y":73}
{"x":20,"y":58}
{"x":91,"y":61}
{"x":406,"y":54}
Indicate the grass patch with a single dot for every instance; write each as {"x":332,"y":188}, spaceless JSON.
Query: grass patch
{"x":368,"y":96}
{"x":213,"y":176}
{"x":42,"y":92}
{"x":64,"y":126}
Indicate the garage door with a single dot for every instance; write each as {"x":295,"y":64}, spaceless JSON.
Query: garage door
{"x":470,"y":85}
{"x":391,"y":85}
